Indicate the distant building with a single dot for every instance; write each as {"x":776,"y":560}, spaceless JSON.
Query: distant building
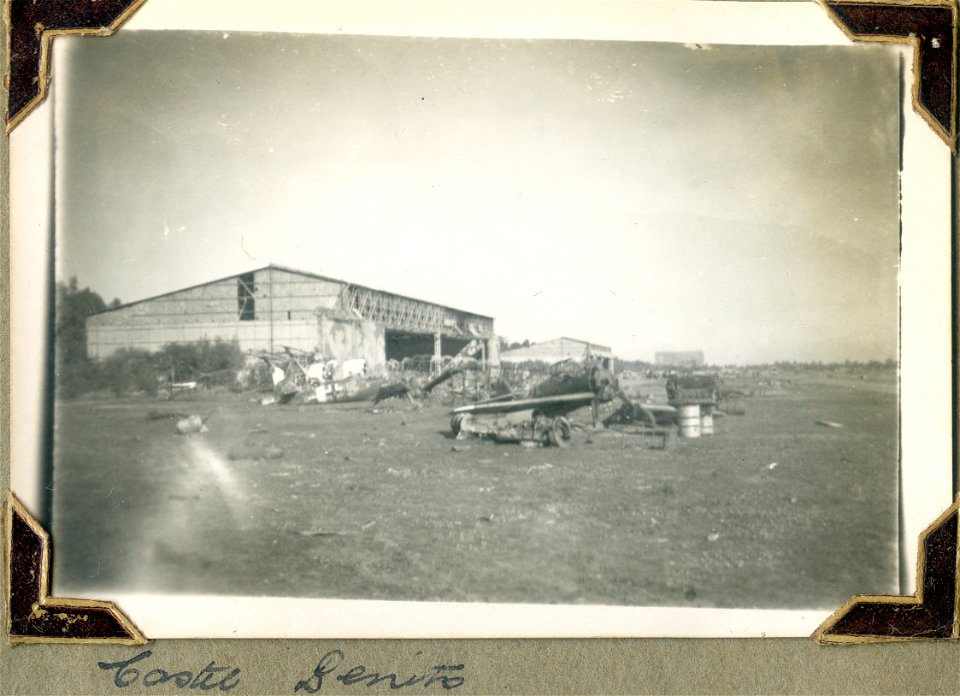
{"x":679,"y":358}
{"x":273,"y":307}
{"x":558,"y":349}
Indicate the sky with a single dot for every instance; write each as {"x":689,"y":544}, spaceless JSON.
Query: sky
{"x":647,"y":196}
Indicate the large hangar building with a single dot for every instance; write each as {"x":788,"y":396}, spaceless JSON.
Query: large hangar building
{"x":274,"y":306}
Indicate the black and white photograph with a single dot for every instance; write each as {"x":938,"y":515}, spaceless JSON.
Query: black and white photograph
{"x":452,"y":319}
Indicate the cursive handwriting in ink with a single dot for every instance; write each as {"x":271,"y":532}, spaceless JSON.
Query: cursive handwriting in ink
{"x":210,"y":677}
{"x":443,"y":675}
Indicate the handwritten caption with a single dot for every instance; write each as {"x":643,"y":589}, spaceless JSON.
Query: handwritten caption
{"x":331,"y":666}
{"x":443,"y":675}
{"x":125,"y":675}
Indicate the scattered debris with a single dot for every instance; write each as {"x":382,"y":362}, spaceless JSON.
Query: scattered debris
{"x":192,"y":424}
{"x":162,"y":415}
{"x":391,"y":391}
{"x":713,"y":537}
{"x":772,"y":466}
{"x":255,"y":452}
{"x":168,"y":390}
{"x":539,"y":467}
{"x":637,"y":417}
{"x":321,"y":533}
{"x":354,"y":366}
{"x":731,"y":408}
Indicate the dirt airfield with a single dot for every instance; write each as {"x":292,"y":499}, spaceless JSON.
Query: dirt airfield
{"x":342,"y":500}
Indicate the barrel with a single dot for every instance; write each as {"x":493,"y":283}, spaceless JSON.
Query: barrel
{"x":689,"y":419}
{"x":706,"y":420}
{"x":733,"y":408}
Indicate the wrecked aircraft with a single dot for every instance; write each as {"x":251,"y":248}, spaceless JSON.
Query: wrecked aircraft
{"x":542,"y":416}
{"x":308,"y":378}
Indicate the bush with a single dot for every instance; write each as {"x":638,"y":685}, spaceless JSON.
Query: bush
{"x":77,"y":377}
{"x":133,"y":370}
{"x":213,"y":363}
{"x":129,"y":370}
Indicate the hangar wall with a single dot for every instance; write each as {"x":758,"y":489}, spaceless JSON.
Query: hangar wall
{"x":263,"y":309}
{"x":345,"y":339}
{"x":102,"y":341}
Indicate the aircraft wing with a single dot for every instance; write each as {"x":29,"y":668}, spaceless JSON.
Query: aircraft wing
{"x":657,"y":408}
{"x":570,"y":401}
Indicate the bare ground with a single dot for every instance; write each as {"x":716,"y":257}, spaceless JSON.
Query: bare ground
{"x":774,"y":511}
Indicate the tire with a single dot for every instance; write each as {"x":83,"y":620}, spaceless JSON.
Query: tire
{"x":560,"y":433}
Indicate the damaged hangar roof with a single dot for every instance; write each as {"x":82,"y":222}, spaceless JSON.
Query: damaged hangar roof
{"x":297,"y":271}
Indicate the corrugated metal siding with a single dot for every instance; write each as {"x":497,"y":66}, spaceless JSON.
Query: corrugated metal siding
{"x":215,"y":302}
{"x":283,"y":292}
{"x":285,"y":296}
{"x":102,"y":341}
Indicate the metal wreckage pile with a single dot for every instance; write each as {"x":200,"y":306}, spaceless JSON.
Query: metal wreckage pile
{"x":504,"y":404}
{"x":547,"y":412}
{"x":303,"y":377}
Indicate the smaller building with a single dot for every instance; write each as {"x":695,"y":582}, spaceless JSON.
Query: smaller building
{"x":557,"y":350}
{"x":679,"y":358}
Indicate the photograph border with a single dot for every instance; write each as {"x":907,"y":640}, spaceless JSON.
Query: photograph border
{"x":921,"y":24}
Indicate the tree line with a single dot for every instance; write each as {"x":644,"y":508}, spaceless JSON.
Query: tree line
{"x":129,"y":370}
